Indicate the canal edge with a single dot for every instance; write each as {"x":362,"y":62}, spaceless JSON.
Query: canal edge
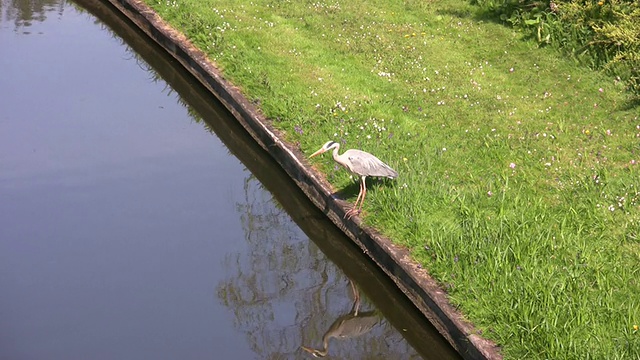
{"x":395,"y":261}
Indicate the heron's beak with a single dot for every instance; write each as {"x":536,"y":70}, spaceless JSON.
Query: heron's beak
{"x":317,"y":153}
{"x":310,"y":351}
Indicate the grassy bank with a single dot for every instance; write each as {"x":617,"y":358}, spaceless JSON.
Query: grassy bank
{"x":519,"y":184}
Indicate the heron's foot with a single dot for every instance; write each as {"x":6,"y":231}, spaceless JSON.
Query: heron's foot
{"x":352,"y":212}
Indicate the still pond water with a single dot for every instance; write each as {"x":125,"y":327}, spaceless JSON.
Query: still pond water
{"x":138,"y":222}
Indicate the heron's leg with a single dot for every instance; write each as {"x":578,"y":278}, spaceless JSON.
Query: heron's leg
{"x":364,"y":193}
{"x":357,"y":207}
{"x":354,"y":210}
{"x":359,"y":198}
{"x":356,"y":298}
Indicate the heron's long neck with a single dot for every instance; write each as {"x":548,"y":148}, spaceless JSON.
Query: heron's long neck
{"x":325,"y":338}
{"x":336,"y":147}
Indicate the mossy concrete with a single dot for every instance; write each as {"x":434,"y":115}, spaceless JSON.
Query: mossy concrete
{"x":394,"y":260}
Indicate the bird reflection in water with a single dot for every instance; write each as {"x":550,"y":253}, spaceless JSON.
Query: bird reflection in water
{"x":350,"y":325}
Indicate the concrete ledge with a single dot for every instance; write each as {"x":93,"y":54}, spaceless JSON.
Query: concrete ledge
{"x":395,"y":261}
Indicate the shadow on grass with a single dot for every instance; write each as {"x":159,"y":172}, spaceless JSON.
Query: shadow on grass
{"x":478,"y":14}
{"x":483,"y":15}
{"x":351,"y":191}
{"x":457,"y":13}
{"x":348,"y":192}
{"x":630,"y":104}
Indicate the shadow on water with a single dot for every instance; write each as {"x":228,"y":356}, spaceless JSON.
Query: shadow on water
{"x":395,"y":307}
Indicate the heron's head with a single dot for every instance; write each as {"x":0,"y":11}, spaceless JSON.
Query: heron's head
{"x":314,"y":352}
{"x":326,"y":147}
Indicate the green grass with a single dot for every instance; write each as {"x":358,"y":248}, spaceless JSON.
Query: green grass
{"x":518,"y":187}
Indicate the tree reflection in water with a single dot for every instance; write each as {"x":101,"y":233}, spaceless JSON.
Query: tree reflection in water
{"x":284,"y":292}
{"x":23,"y":13}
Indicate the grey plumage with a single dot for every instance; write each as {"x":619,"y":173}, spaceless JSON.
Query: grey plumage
{"x":362,"y":163}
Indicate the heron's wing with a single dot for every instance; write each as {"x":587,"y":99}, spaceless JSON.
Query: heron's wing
{"x":364,"y":164}
{"x":356,"y":325}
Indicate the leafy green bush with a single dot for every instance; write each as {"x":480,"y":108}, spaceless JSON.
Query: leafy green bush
{"x":604,"y":35}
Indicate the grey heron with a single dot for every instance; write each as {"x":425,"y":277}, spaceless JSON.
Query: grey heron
{"x":361,"y":164}
{"x":352,"y":324}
